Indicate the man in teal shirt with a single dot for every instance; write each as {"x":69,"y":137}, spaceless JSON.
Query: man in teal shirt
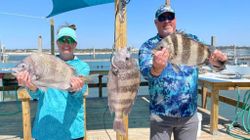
{"x":60,"y":114}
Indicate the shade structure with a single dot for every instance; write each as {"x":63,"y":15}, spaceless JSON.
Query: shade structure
{"x":61,"y":6}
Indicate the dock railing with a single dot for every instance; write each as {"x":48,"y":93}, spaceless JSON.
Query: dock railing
{"x":25,"y":99}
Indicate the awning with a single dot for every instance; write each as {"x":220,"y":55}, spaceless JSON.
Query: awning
{"x":61,"y":6}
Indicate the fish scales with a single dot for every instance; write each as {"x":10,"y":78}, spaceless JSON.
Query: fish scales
{"x":185,"y":58}
{"x":128,"y":84}
{"x":203,"y":54}
{"x":123,"y":84}
{"x":51,"y":65}
{"x":46,"y":71}
{"x":177,"y":42}
{"x":184,"y":50}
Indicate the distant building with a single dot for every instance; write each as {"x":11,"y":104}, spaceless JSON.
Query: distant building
{"x":40,"y":47}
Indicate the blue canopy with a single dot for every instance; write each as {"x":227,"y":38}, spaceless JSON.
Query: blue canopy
{"x":61,"y":6}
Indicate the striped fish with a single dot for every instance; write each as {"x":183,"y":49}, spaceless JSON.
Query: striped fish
{"x":123,"y":84}
{"x":47,"y":71}
{"x":185,"y":50}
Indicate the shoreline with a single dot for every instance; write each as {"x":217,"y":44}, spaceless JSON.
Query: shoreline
{"x":77,"y":53}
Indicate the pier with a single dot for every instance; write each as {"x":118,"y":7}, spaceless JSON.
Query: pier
{"x":99,"y":120}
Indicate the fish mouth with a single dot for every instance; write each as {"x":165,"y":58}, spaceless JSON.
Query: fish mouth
{"x":14,"y":71}
{"x":220,"y":65}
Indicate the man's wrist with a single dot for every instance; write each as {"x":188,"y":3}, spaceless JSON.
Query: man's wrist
{"x":155,"y":72}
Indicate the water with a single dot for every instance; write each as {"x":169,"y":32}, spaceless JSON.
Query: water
{"x":101,"y":61}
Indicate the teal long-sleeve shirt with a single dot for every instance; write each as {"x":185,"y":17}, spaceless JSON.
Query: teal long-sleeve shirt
{"x":60,"y":114}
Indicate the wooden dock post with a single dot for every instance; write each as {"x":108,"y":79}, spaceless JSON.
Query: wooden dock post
{"x":40,"y":42}
{"x":52,"y":36}
{"x":25,"y":98}
{"x":121,"y":42}
{"x":100,"y":85}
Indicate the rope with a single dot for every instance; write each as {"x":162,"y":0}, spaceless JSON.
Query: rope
{"x":104,"y":124}
{"x":121,"y":9}
{"x":21,"y":15}
{"x":241,"y":113}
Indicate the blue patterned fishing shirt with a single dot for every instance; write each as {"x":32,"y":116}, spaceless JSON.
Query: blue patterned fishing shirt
{"x":172,"y":94}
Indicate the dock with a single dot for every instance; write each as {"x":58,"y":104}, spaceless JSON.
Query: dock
{"x":100,"y":121}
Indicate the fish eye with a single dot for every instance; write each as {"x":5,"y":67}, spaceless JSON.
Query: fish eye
{"x":22,"y":65}
{"x":127,"y":58}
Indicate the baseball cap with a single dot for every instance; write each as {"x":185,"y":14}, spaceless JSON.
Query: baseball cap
{"x":66,"y":31}
{"x":163,"y":9}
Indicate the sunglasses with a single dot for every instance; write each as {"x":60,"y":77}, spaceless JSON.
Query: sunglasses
{"x":164,"y":17}
{"x":66,"y":40}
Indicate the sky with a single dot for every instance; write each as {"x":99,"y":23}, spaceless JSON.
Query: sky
{"x":22,"y":21}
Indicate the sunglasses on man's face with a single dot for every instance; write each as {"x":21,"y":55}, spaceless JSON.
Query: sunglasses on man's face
{"x":66,"y":40}
{"x":168,"y":16}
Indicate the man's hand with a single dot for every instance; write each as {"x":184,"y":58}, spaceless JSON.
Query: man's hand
{"x":159,"y":61}
{"x":217,"y":58}
{"x":24,"y":79}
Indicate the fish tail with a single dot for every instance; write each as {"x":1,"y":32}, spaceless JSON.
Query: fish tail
{"x":119,"y":126}
{"x":90,"y":78}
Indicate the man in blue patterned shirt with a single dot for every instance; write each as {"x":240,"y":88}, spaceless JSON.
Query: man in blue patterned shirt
{"x":173,"y":95}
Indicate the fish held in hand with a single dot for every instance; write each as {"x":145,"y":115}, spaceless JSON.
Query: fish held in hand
{"x":185,"y":50}
{"x":123,"y":84}
{"x":46,"y":71}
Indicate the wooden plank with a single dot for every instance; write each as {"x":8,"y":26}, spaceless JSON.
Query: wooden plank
{"x":84,"y":106}
{"x":223,"y":99}
{"x":204,"y":97}
{"x":25,"y":98}
{"x":120,"y":26}
{"x":23,"y":94}
{"x":214,"y":111}
{"x":52,"y":36}
{"x":10,"y":126}
{"x":121,"y":42}
{"x":26,"y":119}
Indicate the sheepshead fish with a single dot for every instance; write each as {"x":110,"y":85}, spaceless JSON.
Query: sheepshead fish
{"x":185,"y":50}
{"x":123,"y":84}
{"x":46,"y":71}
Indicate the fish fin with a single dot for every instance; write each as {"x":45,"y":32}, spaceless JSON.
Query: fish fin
{"x":111,"y":109}
{"x":119,"y":126}
{"x":88,"y":79}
